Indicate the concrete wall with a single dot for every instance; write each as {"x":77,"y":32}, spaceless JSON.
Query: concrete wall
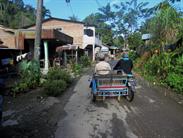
{"x":72,"y":29}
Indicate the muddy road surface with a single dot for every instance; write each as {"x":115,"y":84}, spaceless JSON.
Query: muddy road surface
{"x":152,"y":114}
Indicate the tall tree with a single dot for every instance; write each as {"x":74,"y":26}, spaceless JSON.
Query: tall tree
{"x":45,"y":13}
{"x":165,"y":25}
{"x":173,"y":1}
{"x":118,"y":41}
{"x":102,"y":28}
{"x":124,"y":17}
{"x":15,"y":14}
{"x":134,"y":40}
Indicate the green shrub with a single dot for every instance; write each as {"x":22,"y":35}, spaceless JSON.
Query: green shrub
{"x":56,"y":81}
{"x":59,"y":74}
{"x":30,"y":73}
{"x":159,"y":65}
{"x":178,"y":68}
{"x":166,"y":68}
{"x":175,"y":77}
{"x":175,"y":81}
{"x":133,"y":55}
{"x":54,"y":87}
{"x":151,"y":67}
{"x":29,"y":76}
{"x":76,"y":68}
{"x":85,"y":61}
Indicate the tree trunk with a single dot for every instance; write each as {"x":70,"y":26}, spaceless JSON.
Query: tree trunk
{"x":38,"y":30}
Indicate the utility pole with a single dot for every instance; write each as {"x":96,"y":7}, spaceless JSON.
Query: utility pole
{"x":38,"y":30}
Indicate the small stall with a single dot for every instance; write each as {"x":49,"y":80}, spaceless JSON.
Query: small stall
{"x":112,"y":51}
{"x":66,"y":53}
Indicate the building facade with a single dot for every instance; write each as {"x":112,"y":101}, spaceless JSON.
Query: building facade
{"x":83,"y":36}
{"x":71,"y":28}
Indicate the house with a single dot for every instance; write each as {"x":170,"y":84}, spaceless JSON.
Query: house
{"x":91,"y":42}
{"x":68,"y":27}
{"x":7,"y":37}
{"x":8,"y":47}
{"x":55,"y":33}
{"x":83,"y":36}
{"x":8,"y":50}
{"x":112,"y":51}
{"x":23,"y":40}
{"x":50,"y":40}
{"x":146,"y":38}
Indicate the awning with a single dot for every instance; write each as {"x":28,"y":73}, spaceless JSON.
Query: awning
{"x":66,"y":47}
{"x":146,"y":36}
{"x":3,"y":46}
{"x":113,"y":47}
{"x":104,"y":48}
{"x":46,"y":35}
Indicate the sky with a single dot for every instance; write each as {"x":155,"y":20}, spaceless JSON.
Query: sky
{"x":81,"y":8}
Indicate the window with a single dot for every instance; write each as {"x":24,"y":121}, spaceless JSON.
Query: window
{"x":88,"y":32}
{"x":59,"y":29}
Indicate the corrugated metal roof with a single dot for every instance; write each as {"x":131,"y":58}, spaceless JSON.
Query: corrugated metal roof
{"x":66,"y":47}
{"x":146,"y":36}
{"x":113,"y":47}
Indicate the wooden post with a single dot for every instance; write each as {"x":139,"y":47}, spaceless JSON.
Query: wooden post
{"x":46,"y":60}
{"x":38,"y":30}
{"x":76,"y":56}
{"x":93,"y":52}
{"x":65,"y":58}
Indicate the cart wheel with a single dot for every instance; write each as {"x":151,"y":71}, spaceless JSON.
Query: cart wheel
{"x":94,"y":98}
{"x":130,"y":95}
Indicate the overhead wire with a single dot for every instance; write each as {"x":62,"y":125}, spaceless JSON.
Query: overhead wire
{"x":69,"y":5}
{"x":98,"y":3}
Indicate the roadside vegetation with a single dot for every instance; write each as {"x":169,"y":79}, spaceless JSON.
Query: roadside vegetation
{"x":158,"y":59}
{"x":162,"y":61}
{"x":29,"y":77}
{"x":54,"y":83}
{"x":58,"y":80}
{"x":15,"y":14}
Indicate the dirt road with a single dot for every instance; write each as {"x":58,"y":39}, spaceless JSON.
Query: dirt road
{"x":150,"y":115}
